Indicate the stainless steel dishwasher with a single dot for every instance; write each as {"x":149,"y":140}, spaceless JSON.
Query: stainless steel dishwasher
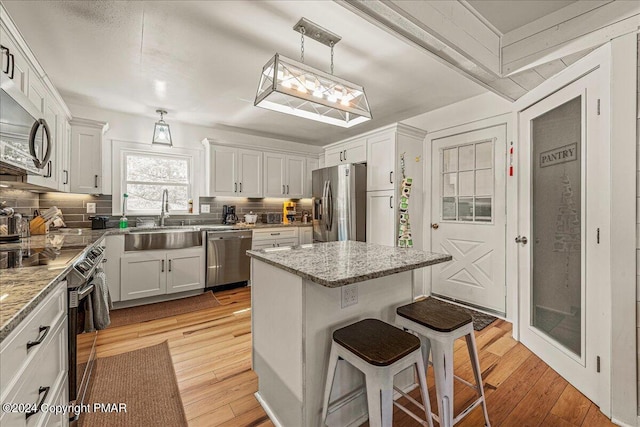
{"x":227,"y":260}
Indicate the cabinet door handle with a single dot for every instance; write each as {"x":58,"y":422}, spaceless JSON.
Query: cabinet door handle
{"x":235,"y":187}
{"x":345,"y":154}
{"x":41,"y":338}
{"x":41,"y":390}
{"x":391,"y":202}
{"x":341,"y":155}
{"x":162,"y":267}
{"x":241,"y":187}
{"x":66,"y":177}
{"x":95,"y":183}
{"x":275,"y":234}
{"x":391,"y":177}
{"x":287,"y":188}
{"x":283,"y":192}
{"x":49,"y":169}
{"x":13,"y":65}
{"x":6,"y":49}
{"x":169,"y":265}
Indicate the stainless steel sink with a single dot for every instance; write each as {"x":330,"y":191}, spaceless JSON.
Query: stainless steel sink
{"x":176,"y":229}
{"x":162,"y":239}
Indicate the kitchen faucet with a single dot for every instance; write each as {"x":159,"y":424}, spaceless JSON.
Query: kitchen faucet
{"x":164,"y":209}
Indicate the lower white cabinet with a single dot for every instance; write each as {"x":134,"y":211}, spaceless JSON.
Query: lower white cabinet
{"x":381,"y":222}
{"x":37,"y":374}
{"x":306,"y":235}
{"x":274,"y":237}
{"x":149,"y":273}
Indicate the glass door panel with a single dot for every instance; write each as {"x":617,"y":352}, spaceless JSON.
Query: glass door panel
{"x":557,"y":278}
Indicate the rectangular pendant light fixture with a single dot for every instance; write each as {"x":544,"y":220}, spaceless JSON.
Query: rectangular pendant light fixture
{"x":298,"y":89}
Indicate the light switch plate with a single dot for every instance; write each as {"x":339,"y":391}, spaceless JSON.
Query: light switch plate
{"x":91,"y":208}
{"x":205,"y":208}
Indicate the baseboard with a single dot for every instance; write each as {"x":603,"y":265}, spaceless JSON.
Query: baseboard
{"x":268,"y":410}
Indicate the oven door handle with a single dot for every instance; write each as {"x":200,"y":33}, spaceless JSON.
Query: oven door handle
{"x":82,"y":293}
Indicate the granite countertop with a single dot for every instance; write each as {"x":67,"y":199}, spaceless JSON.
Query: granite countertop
{"x":336,"y":264}
{"x":21,"y":289}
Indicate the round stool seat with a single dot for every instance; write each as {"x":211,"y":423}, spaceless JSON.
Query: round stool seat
{"x":376,"y":342}
{"x":432,"y":314}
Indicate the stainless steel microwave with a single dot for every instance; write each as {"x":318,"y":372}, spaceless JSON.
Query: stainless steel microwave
{"x":25,"y":141}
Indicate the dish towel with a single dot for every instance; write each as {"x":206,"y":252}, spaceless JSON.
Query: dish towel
{"x":101,"y":300}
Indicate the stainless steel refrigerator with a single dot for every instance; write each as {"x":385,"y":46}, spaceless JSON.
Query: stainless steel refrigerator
{"x":340,"y":203}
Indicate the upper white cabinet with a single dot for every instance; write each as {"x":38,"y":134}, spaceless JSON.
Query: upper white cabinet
{"x":284,"y":175}
{"x":312,"y":164}
{"x":234,"y":171}
{"x":352,"y":151}
{"x":381,"y":156}
{"x":14,"y":62}
{"x":85,"y":175}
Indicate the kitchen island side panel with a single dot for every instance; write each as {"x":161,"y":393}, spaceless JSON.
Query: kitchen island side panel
{"x":277,"y":322}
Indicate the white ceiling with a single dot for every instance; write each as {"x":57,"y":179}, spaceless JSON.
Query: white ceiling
{"x":512,"y":14}
{"x":201,"y":61}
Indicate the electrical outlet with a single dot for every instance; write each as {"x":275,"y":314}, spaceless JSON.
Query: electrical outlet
{"x":349,"y":295}
{"x":205,"y":208}
{"x":91,"y":208}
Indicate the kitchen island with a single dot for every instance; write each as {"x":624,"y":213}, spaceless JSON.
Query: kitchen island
{"x":299,"y":297}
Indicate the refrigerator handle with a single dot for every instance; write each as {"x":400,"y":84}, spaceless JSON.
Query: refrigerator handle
{"x":324,"y":204}
{"x":330,"y":207}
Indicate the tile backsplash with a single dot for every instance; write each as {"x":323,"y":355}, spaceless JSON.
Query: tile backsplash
{"x":74,"y":207}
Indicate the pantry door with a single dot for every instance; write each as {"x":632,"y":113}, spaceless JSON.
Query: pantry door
{"x":468,"y":217}
{"x":563,"y":215}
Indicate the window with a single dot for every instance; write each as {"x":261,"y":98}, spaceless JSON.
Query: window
{"x":467,"y":182}
{"x":145,"y":175}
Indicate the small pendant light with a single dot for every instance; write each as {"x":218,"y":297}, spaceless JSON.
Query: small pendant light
{"x":161,"y":132}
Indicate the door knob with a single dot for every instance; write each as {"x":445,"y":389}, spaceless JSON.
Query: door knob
{"x":435,"y":226}
{"x":522,"y":239}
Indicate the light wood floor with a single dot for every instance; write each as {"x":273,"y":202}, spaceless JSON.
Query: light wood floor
{"x":211,"y":351}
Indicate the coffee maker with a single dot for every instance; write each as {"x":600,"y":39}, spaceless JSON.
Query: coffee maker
{"x":229,"y":214}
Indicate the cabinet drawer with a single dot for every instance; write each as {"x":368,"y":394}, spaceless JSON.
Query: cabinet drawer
{"x":47,"y":369}
{"x":275,"y":233}
{"x":61,"y":399}
{"x":13,"y":352}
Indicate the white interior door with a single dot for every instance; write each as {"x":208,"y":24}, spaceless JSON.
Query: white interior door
{"x":563,"y":270}
{"x":468,"y":217}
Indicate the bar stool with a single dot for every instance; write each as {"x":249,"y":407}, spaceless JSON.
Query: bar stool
{"x":438,"y":328}
{"x":380,"y":351}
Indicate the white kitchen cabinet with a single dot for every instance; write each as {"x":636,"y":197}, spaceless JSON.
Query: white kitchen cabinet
{"x":17,"y":67}
{"x":185,"y":270}
{"x":353,"y":151}
{"x":234,"y":171}
{"x":64,"y":155}
{"x":85,"y":175}
{"x":284,"y":175}
{"x":381,"y":224}
{"x":149,"y":273}
{"x":306,"y":235}
{"x":381,"y":155}
{"x":111,"y":264}
{"x":312,"y":164}
{"x":24,"y":370}
{"x":274,"y":237}
{"x":143,"y":274}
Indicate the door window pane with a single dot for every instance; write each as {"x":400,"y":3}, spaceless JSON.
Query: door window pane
{"x":482,"y":209}
{"x":449,"y":187}
{"x":484,"y":182}
{"x":556,"y":225}
{"x":450,"y":160}
{"x":449,"y":208}
{"x":466,"y":157}
{"x":465,"y":209}
{"x":466,"y":183}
